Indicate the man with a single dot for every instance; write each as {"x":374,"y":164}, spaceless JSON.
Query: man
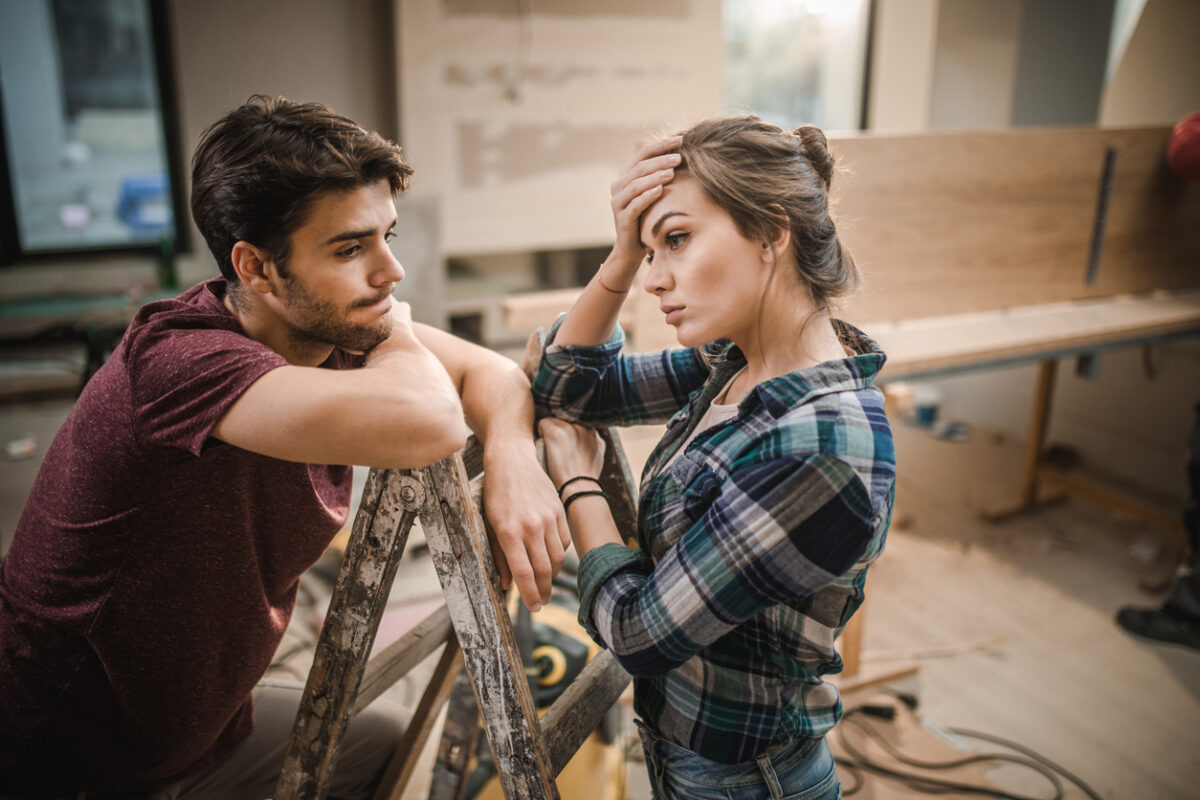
{"x":1177,"y":620}
{"x":155,"y":566}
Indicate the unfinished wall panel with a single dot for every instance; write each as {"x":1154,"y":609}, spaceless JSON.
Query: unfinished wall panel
{"x":518,"y":116}
{"x":960,"y":222}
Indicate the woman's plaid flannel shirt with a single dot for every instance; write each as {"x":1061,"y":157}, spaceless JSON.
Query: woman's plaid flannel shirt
{"x":753,"y":543}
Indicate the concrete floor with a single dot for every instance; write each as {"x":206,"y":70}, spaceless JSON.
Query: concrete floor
{"x":1010,"y":625}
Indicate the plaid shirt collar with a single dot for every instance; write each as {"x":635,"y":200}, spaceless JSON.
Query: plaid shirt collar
{"x":780,"y":395}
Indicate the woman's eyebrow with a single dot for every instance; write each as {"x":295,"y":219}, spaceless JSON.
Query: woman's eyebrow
{"x":659,"y":223}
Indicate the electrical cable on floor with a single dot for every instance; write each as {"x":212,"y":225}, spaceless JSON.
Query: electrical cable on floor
{"x":858,"y":762}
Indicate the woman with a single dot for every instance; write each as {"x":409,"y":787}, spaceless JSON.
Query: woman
{"x":771,"y":490}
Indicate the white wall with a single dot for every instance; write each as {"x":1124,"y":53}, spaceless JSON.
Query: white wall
{"x":517,"y":122}
{"x":974,"y":65}
{"x":1157,"y":77}
{"x":335,"y":53}
{"x":904,"y":46}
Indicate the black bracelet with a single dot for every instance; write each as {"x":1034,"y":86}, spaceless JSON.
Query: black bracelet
{"x":577,"y":495}
{"x":569,"y":481}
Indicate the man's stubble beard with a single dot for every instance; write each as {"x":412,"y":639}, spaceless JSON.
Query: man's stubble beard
{"x":319,"y":322}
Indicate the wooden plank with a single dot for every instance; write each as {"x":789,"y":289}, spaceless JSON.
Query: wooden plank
{"x":399,"y":658}
{"x":957,"y":222}
{"x":528,"y":311}
{"x":947,"y":343}
{"x":851,"y":642}
{"x":1122,"y":499}
{"x":580,"y":709}
{"x":389,"y":506}
{"x":952,"y":223}
{"x":951,"y":343}
{"x":408,"y":749}
{"x":460,"y":735}
{"x":1152,"y":232}
{"x":462,"y":559}
{"x":1043,"y":396}
{"x":617,"y":481}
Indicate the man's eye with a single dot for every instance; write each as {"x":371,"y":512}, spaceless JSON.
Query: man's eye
{"x":387,"y":237}
{"x":349,"y":251}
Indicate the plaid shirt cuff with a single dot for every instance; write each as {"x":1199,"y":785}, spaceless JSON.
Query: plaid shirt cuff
{"x":595,"y":568}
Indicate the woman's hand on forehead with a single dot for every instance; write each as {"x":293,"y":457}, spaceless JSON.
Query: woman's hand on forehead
{"x":635,"y":189}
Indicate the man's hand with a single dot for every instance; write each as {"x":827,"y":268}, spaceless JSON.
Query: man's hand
{"x":401,"y":336}
{"x":529,"y":528}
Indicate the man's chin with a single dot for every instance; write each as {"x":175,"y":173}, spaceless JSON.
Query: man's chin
{"x":361,"y":343}
{"x":356,"y":340}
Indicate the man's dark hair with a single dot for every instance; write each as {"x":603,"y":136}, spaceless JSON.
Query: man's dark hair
{"x":258,"y":170}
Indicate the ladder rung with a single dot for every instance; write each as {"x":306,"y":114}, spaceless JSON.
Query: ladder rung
{"x":579,"y":710}
{"x":398,"y":659}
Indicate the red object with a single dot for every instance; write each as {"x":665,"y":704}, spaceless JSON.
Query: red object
{"x":1183,"y":151}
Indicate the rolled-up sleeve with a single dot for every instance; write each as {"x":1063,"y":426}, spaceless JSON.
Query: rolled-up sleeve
{"x":600,"y":385}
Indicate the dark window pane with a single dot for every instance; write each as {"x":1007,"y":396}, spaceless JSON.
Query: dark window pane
{"x":83,"y":124}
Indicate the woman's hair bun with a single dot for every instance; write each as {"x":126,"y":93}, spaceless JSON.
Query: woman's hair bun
{"x":816,"y":150}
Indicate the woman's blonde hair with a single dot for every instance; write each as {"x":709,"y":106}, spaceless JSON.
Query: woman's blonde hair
{"x":767,"y":178}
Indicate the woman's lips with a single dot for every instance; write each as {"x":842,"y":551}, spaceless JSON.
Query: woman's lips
{"x":672,"y":313}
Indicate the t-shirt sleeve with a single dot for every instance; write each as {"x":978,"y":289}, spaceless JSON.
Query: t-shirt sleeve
{"x":183,"y":380}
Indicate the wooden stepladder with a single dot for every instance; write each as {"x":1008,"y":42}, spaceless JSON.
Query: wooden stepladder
{"x":474,"y":626}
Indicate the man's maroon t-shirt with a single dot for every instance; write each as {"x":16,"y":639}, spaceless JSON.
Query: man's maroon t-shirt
{"x":154,"y":569}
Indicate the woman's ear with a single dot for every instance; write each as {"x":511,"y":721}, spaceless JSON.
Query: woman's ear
{"x":250,"y":264}
{"x":777,"y":246}
{"x":780,"y":240}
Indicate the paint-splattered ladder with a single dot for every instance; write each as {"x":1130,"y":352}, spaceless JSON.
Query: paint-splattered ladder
{"x":529,"y":752}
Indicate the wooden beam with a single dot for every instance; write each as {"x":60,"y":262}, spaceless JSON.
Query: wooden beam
{"x":462,"y":558}
{"x":408,"y":749}
{"x":399,"y":658}
{"x":986,"y":339}
{"x":385,"y":517}
{"x":580,"y":709}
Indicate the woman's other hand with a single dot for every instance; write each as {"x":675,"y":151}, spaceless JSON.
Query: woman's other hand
{"x":571,"y":450}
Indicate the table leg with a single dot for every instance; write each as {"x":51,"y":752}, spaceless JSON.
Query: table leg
{"x":1039,"y":422}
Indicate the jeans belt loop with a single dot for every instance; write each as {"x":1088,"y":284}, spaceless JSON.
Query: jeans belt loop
{"x":768,"y":772}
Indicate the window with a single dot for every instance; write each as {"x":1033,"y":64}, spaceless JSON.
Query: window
{"x":90,"y":161}
{"x":797,"y":62}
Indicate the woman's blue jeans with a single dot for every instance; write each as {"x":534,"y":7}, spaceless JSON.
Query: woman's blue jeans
{"x":800,"y":770}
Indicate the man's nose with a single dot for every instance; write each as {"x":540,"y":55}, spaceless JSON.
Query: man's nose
{"x":390,"y":271}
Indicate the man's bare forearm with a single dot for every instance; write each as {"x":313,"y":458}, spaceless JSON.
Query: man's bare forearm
{"x":497,"y":403}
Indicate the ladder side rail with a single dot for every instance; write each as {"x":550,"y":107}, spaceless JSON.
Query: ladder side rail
{"x":458,"y":544}
{"x":390,"y":503}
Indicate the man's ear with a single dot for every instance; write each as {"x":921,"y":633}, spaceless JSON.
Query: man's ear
{"x":250,"y":264}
